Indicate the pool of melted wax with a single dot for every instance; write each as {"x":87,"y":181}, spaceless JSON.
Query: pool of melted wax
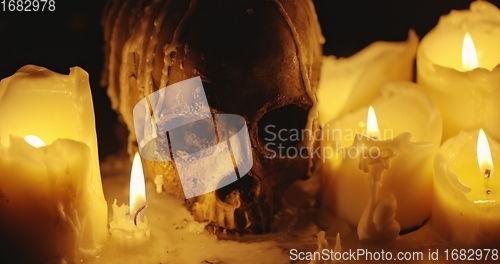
{"x":177,"y":238}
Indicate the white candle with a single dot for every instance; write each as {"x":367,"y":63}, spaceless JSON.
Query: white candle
{"x":402,"y":108}
{"x":347,"y":84}
{"x":466,"y":208}
{"x":129,"y":227}
{"x":52,"y":106}
{"x":458,"y":64}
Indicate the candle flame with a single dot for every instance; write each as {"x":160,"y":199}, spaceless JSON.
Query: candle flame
{"x":372,"y":124}
{"x":137,"y":186}
{"x":469,"y":54}
{"x":484,"y":154}
{"x":34,"y":141}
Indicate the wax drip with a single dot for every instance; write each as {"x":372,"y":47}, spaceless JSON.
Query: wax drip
{"x":377,"y":221}
{"x":110,"y":10}
{"x":169,"y":48}
{"x":151,"y":47}
{"x":115,"y":54}
{"x":313,"y":112}
{"x":143,"y":41}
{"x":127,"y":77}
{"x":148,"y":69}
{"x":323,"y":244}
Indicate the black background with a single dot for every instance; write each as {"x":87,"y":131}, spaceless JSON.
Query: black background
{"x":72,"y":36}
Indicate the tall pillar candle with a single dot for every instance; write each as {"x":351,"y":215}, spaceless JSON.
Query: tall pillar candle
{"x":52,"y":106}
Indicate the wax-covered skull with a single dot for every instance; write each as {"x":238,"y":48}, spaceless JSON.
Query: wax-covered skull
{"x":258,"y":59}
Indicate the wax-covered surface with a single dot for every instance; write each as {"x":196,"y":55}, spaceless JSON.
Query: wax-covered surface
{"x":176,"y":237}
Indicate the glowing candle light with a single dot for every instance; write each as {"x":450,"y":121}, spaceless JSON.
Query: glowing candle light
{"x":372,"y":124}
{"x":129,"y":227}
{"x":466,"y":211}
{"x":469,"y":54}
{"x":34,"y":141}
{"x":458,"y":64}
{"x":137,"y":198}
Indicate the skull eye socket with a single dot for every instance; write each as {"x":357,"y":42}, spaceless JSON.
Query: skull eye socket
{"x":282,"y":129}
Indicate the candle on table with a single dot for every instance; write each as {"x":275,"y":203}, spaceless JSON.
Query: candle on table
{"x":466,"y":208}
{"x":129,"y":226}
{"x":402,"y":107}
{"x":347,"y":84}
{"x":458,"y":64}
{"x":51,"y":204}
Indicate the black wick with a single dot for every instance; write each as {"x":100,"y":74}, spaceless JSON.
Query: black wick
{"x":138,"y":212}
{"x":487,"y":174}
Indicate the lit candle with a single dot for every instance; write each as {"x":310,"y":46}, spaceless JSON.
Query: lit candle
{"x":458,"y":63}
{"x":403,"y":107}
{"x":466,"y":210}
{"x":129,"y":227}
{"x":347,"y":84}
{"x":51,"y":198}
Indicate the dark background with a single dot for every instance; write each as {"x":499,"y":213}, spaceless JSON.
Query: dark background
{"x":72,"y":36}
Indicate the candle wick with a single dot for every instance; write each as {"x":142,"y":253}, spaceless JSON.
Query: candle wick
{"x":138,"y":212}
{"x":487,"y":173}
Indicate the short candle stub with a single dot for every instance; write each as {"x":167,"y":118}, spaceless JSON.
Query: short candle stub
{"x":129,"y":229}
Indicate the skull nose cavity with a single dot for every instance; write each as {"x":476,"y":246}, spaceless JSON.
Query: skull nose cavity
{"x":243,"y":190}
{"x":241,"y":193}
